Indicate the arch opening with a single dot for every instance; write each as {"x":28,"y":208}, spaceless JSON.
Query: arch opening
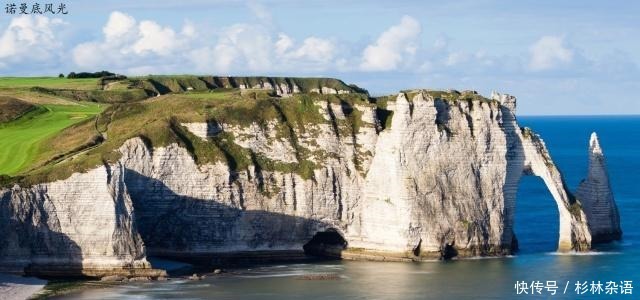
{"x":328,"y":244}
{"x":537,"y":218}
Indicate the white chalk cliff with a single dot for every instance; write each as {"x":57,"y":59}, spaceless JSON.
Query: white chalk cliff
{"x":439,"y":182}
{"x":596,"y":196}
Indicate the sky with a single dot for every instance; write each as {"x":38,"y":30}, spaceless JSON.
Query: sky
{"x":556,"y":57}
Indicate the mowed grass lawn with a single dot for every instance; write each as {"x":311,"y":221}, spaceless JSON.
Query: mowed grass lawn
{"x":20,"y":140}
{"x":49,"y":82}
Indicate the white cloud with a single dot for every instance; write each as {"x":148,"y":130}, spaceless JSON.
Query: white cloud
{"x":314,"y":54}
{"x":392,"y":47}
{"x":30,"y":39}
{"x":127,"y":43}
{"x":222,"y":57}
{"x":189,"y":29}
{"x":155,"y":38}
{"x":283,"y":44}
{"x":549,"y":52}
{"x":316,"y":49}
{"x":118,"y":26}
{"x":251,"y":43}
{"x":87,"y":55}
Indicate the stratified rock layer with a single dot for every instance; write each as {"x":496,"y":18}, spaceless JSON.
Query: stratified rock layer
{"x":81,"y":225}
{"x":439,"y":181}
{"x":596,"y":197}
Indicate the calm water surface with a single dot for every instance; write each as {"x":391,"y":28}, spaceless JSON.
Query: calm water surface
{"x":536,"y":227}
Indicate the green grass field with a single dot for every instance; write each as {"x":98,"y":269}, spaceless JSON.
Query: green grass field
{"x":21,"y":139}
{"x":49,"y":82}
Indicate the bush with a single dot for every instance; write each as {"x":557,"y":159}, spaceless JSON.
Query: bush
{"x":90,"y":75}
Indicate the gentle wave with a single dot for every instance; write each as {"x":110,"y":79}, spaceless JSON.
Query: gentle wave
{"x":274,"y":275}
{"x":485,"y":257}
{"x":589,"y":253}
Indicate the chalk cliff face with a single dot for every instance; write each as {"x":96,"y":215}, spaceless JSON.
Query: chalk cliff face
{"x":438,"y":181}
{"x":81,"y":225}
{"x":595,"y":195}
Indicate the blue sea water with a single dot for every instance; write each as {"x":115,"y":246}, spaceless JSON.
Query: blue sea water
{"x":536,"y":226}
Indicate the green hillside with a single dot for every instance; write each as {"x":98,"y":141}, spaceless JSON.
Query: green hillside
{"x":21,"y":140}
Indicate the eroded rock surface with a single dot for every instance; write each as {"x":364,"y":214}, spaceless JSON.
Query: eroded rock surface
{"x":438,"y":181}
{"x":83,"y":225}
{"x":596,"y":197}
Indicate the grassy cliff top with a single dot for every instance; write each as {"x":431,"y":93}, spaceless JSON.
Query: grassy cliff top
{"x":445,"y":95}
{"x":48,"y":82}
{"x":197,"y":82}
{"x":181,"y":83}
{"x":87,"y":140}
{"x":58,"y":126}
{"x":120,"y":89}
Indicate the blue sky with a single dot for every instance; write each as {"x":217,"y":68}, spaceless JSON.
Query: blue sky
{"x":557,"y":57}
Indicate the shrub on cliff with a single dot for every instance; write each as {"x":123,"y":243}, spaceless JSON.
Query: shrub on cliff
{"x":90,"y":74}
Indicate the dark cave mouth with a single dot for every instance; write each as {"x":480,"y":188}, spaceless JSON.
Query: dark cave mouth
{"x":326,"y":244}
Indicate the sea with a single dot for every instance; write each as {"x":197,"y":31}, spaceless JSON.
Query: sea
{"x":537,"y":271}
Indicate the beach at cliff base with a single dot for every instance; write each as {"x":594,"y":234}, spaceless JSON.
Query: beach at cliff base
{"x":18,"y":287}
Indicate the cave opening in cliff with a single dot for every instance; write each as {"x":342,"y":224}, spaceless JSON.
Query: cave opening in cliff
{"x":536,"y":219}
{"x":326,"y":244}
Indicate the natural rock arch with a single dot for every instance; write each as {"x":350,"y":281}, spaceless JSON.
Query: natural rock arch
{"x":529,"y":156}
{"x":445,"y":175}
{"x":592,"y":216}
